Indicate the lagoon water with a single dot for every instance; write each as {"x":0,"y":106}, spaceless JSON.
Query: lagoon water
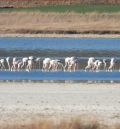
{"x":61,"y":48}
{"x":60,"y":76}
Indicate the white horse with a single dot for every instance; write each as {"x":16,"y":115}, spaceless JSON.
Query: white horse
{"x":90,"y":64}
{"x":112,"y":65}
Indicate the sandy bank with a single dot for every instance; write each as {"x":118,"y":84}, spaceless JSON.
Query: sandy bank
{"x":23,"y":101}
{"x":62,"y":35}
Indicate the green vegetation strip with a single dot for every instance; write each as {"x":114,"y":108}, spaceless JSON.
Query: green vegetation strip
{"x":79,"y":8}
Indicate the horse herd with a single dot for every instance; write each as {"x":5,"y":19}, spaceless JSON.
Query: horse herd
{"x":69,"y":64}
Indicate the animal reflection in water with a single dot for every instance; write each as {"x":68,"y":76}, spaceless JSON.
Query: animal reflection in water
{"x":70,"y":64}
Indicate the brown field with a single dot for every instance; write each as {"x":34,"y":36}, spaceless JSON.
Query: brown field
{"x":59,"y":23}
{"x":31,"y":3}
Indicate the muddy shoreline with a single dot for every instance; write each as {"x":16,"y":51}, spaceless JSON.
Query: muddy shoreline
{"x":62,"y":35}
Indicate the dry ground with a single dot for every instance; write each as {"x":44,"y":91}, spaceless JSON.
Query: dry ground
{"x":59,"y":23}
{"x":23,"y":102}
{"x":44,"y":105}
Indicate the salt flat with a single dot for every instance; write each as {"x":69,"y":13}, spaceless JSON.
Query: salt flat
{"x":20,"y":100}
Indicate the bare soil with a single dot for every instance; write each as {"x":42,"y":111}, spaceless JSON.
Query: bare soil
{"x":59,"y":23}
{"x":22,"y":103}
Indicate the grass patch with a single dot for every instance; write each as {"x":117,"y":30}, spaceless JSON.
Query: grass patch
{"x":79,"y":8}
{"x":59,"y":23}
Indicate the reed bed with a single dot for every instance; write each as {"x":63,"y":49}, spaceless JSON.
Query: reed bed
{"x":73,"y":123}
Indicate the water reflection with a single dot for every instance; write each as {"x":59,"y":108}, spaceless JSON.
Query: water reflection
{"x":59,"y":53}
{"x":61,"y":81}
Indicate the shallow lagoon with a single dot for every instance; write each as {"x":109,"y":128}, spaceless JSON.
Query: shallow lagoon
{"x":61,"y":48}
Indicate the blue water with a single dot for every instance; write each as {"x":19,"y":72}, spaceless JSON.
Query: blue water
{"x":60,"y":43}
{"x":79,"y":75}
{"x":61,"y":48}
